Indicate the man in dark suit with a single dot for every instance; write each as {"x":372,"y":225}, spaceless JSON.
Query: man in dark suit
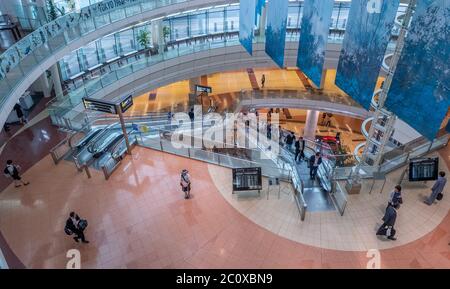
{"x":72,"y":225}
{"x":299,"y":149}
{"x":314,"y":163}
{"x":389,"y":219}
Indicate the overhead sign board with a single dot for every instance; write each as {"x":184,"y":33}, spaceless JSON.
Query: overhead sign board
{"x":126,"y":103}
{"x":201,"y":88}
{"x":247,"y":179}
{"x":423,"y":169}
{"x":99,"y":105}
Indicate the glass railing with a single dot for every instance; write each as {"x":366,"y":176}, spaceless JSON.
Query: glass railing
{"x":27,"y":54}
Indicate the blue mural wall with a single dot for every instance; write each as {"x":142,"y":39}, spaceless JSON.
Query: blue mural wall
{"x":420,"y":90}
{"x":246,"y":23}
{"x":315,"y":27}
{"x":259,"y":7}
{"x":366,"y":37}
{"x":277,"y":11}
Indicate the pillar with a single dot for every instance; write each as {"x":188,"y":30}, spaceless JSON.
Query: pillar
{"x":262,"y":22}
{"x":158,"y":35}
{"x":42,"y":85}
{"x":56,"y":79}
{"x":312,"y":117}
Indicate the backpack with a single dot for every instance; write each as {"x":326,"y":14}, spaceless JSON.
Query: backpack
{"x":82,"y":224}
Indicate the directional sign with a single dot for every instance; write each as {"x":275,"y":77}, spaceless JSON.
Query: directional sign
{"x":201,"y":88}
{"x":99,"y":105}
{"x":126,"y":103}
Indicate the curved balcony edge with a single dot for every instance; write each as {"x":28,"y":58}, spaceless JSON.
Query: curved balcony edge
{"x":35,"y":71}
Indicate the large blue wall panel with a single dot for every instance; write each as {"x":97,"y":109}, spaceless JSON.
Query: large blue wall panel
{"x":366,"y":37}
{"x":277,"y":11}
{"x":420,"y":91}
{"x":246,"y":23}
{"x":315,"y":27}
{"x":259,"y":7}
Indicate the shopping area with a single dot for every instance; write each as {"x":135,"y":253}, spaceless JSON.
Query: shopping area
{"x":107,"y":94}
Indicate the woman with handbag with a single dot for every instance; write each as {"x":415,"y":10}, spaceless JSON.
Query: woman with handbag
{"x":185,"y":183}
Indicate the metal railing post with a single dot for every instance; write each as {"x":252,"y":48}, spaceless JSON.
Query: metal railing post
{"x":87,"y":171}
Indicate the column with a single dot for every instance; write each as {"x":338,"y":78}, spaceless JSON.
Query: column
{"x":42,"y":85}
{"x":158,"y":35}
{"x":312,"y":117}
{"x":262,"y":22}
{"x":56,"y":79}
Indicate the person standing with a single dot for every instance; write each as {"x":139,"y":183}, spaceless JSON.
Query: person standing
{"x":301,"y":154}
{"x":297,"y":149}
{"x":12,"y":170}
{"x":263,"y":80}
{"x":76,"y":225}
{"x":324,"y":116}
{"x":269,"y":131}
{"x":314,"y":163}
{"x":19,"y":113}
{"x":387,"y":228}
{"x":289,"y":141}
{"x":437,"y":189}
{"x":328,"y":120}
{"x":185,"y":183}
{"x":191,"y":114}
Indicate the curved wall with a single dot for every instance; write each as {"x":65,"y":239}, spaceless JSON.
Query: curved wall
{"x":37,"y":70}
{"x":219,"y":60}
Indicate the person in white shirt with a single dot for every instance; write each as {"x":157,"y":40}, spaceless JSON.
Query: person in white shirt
{"x":12,"y":171}
{"x":185,"y":183}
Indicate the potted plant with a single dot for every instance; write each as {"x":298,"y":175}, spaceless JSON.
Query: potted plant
{"x":166,"y":35}
{"x":51,"y":10}
{"x":143,"y":39}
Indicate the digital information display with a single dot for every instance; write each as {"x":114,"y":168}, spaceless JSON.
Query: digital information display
{"x":247,"y":179}
{"x":201,"y":88}
{"x":423,"y":169}
{"x":99,"y":105}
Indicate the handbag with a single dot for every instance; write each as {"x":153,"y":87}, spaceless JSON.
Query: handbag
{"x":439,"y":196}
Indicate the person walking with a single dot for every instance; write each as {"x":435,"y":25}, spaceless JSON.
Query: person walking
{"x":76,"y":225}
{"x":395,"y":197}
{"x":19,"y":113}
{"x":437,"y":189}
{"x":185,"y":183}
{"x":314,"y":163}
{"x":263,"y":80}
{"x":12,"y":171}
{"x":387,"y":228}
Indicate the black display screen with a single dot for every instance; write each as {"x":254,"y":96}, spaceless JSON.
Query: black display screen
{"x":247,"y":179}
{"x":423,"y":169}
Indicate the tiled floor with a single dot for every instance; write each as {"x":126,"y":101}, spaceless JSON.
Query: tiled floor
{"x":139,"y":219}
{"x":355,"y":230}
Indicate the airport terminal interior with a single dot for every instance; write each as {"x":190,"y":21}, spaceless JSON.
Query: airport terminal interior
{"x":214,"y":134}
